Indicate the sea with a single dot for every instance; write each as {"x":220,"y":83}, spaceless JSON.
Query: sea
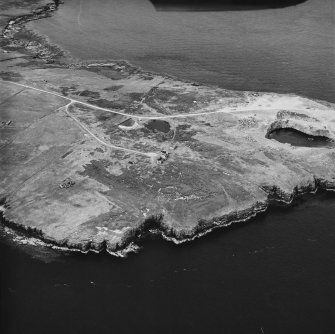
{"x":272,"y":274}
{"x":284,"y":50}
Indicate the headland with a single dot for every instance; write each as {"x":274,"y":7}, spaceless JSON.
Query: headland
{"x":94,"y":156}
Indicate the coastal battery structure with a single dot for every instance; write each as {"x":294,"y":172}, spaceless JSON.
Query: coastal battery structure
{"x":98,"y":154}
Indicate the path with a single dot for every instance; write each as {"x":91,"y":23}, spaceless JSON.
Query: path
{"x":147,"y":154}
{"x":151,"y":155}
{"x":222,"y":110}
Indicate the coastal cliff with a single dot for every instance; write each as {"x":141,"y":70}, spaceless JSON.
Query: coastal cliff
{"x":88,"y":164}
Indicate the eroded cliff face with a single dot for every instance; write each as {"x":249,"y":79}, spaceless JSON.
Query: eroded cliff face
{"x":94,"y":156}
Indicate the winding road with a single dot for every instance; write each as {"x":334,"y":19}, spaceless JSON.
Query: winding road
{"x":222,"y":110}
{"x":151,"y":155}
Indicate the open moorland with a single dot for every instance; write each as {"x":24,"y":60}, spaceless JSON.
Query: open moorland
{"x":94,"y":156}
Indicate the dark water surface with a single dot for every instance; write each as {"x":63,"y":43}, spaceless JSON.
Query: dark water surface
{"x":297,"y":138}
{"x":158,"y":125}
{"x":282,"y":50}
{"x":273,"y":275}
{"x":221,"y":5}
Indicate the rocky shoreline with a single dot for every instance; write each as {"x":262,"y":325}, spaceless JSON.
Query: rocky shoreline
{"x":154,"y":226}
{"x":155,"y":223}
{"x":38,"y":46}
